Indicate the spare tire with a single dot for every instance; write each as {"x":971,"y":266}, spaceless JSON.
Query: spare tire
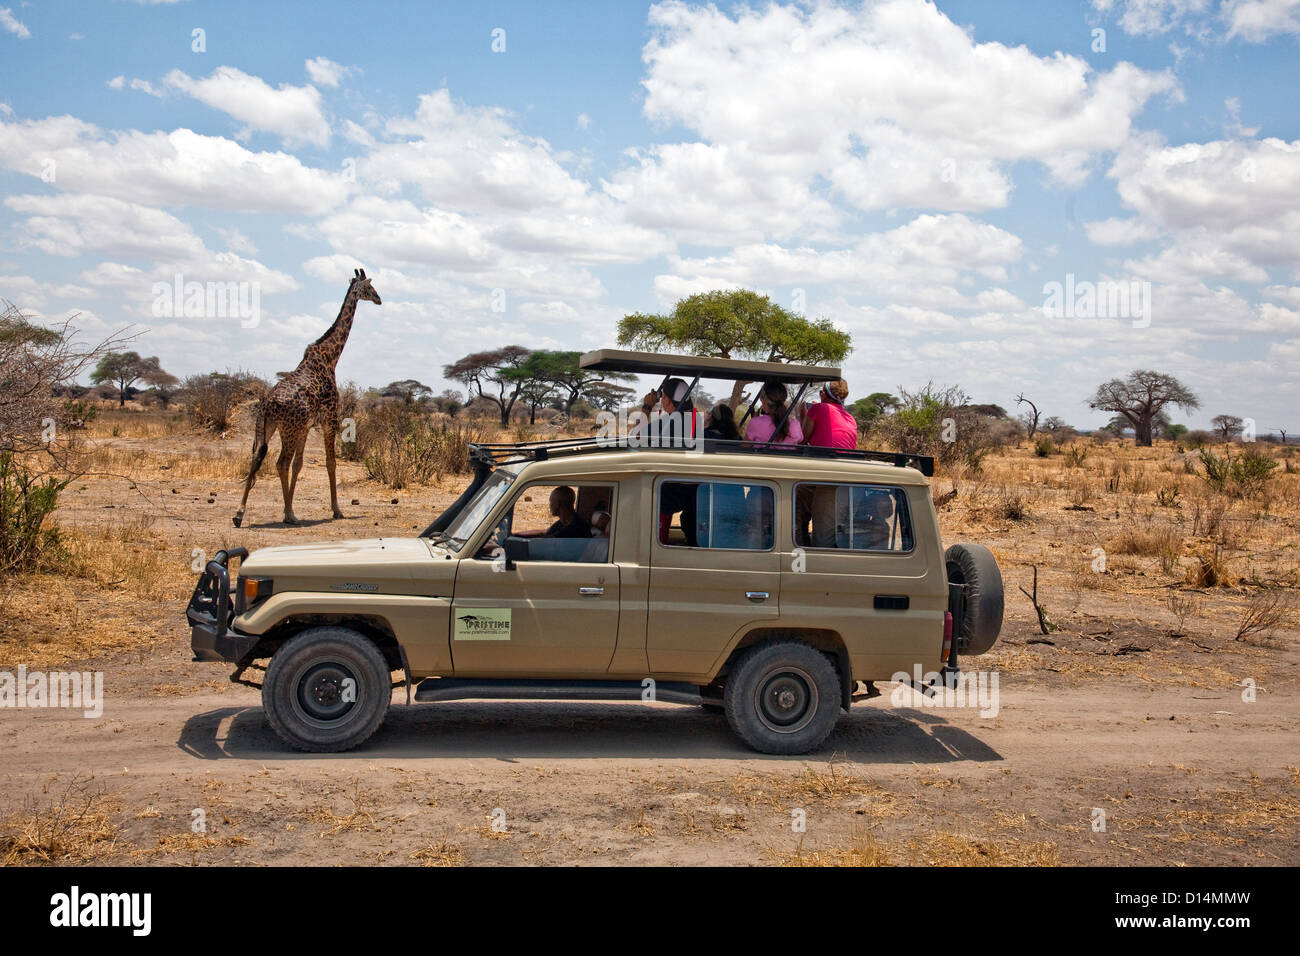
{"x":974,"y":567}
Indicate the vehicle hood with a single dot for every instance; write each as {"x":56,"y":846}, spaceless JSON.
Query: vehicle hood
{"x":370,"y":565}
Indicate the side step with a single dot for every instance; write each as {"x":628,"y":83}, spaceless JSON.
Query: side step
{"x":453,"y":688}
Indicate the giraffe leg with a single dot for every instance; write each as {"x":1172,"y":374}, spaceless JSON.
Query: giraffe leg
{"x":282,"y":466}
{"x":330,"y":429}
{"x":295,"y":468}
{"x":260,"y":438}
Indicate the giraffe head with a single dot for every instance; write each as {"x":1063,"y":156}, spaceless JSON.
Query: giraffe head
{"x":363,"y":288}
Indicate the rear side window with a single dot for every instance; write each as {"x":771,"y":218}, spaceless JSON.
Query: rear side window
{"x":850,"y":517}
{"x":731,"y":516}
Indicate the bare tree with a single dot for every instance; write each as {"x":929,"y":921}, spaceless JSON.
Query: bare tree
{"x":39,"y":364}
{"x":1140,"y":398}
{"x":1030,"y":418}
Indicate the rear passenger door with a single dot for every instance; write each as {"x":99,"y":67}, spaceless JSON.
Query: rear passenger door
{"x":714,"y":571}
{"x":854,"y":564}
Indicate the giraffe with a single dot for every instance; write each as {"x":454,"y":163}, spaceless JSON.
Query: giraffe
{"x":307,"y":396}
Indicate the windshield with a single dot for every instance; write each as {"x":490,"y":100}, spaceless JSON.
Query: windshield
{"x":478,"y":509}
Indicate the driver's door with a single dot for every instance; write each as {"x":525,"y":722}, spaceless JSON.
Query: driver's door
{"x":555,"y":615}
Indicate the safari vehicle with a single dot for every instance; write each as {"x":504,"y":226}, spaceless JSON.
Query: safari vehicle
{"x":696,"y":584}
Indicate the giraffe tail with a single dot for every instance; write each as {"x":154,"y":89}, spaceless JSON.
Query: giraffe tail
{"x":259,"y":456}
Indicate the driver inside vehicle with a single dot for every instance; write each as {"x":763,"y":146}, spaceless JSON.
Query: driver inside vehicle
{"x":568,"y":523}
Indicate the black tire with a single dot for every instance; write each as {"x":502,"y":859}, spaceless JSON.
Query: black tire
{"x":974,"y":566}
{"x":304,"y":693}
{"x":783,"y":697}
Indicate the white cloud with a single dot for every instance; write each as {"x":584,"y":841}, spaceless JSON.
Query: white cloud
{"x":142,"y":86}
{"x":325,"y":72}
{"x":1151,"y":17}
{"x":1254,"y":21}
{"x":177,"y":168}
{"x":892,"y":104}
{"x":1119,"y":232}
{"x":236,"y":241}
{"x":920,"y":263}
{"x":1257,"y":20}
{"x":291,"y":112}
{"x":1240,"y":198}
{"x":11,"y":24}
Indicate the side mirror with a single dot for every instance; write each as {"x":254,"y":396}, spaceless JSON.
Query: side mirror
{"x":516,"y":550}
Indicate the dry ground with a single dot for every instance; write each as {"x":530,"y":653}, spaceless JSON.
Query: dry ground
{"x":1132,"y":705}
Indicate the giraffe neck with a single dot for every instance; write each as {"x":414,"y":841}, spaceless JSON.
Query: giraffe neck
{"x":331,"y":344}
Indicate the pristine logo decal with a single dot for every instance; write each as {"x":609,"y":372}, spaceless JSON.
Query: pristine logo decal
{"x":483,"y":624}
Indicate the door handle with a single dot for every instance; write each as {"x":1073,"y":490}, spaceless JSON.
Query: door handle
{"x":591,"y":592}
{"x":757,"y":595}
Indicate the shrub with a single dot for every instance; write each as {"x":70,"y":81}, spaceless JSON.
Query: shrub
{"x":1044,"y":447}
{"x":399,"y":444}
{"x":213,"y":398}
{"x":940,"y":422}
{"x":1076,"y":455}
{"x":1241,"y":476}
{"x":26,"y":500}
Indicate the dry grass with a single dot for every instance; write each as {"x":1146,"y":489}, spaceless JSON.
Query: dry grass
{"x":441,"y":853}
{"x":74,"y":826}
{"x":939,"y":849}
{"x":1265,"y":612}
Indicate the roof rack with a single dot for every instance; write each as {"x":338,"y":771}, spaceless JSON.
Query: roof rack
{"x":704,"y":366}
{"x":508,"y":453}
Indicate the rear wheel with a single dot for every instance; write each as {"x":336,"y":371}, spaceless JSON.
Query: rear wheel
{"x":327,"y":690}
{"x":783,"y":697}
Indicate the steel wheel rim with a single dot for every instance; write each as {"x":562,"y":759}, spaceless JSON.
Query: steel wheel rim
{"x":319,"y":692}
{"x":786,"y":699}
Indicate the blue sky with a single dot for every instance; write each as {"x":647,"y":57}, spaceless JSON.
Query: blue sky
{"x":915,"y":173}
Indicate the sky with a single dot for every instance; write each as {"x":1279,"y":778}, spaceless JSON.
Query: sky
{"x":949,"y":182}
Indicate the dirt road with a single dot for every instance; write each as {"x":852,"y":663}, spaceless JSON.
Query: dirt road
{"x":1182,"y":776}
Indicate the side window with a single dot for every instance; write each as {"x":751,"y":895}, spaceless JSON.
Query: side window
{"x":852,"y":517}
{"x":573,"y":522}
{"x":716,"y":514}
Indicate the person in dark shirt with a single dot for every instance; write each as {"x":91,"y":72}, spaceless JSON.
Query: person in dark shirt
{"x":722,"y":424}
{"x":568,"y":523}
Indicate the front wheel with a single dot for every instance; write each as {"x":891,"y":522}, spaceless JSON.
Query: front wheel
{"x":783,"y":697}
{"x":327,"y":690}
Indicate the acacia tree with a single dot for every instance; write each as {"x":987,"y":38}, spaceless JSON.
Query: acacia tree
{"x":492,"y":376}
{"x":1227,"y":425}
{"x":607,"y":396}
{"x":561,"y":373}
{"x":736,"y":323}
{"x":164,"y":384}
{"x":1140,"y":400}
{"x":408,"y":390}
{"x":124,"y":369}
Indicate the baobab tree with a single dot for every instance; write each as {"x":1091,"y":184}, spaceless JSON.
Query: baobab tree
{"x":1140,"y":399}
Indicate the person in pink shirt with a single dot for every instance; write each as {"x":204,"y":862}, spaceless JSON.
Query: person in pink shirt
{"x":828,"y":423}
{"x":763,"y":428}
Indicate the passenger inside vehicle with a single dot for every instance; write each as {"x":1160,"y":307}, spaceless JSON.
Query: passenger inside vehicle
{"x":597,"y":549}
{"x":769,"y":427}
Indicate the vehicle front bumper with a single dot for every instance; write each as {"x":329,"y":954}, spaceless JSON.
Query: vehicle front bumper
{"x":210,"y":613}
